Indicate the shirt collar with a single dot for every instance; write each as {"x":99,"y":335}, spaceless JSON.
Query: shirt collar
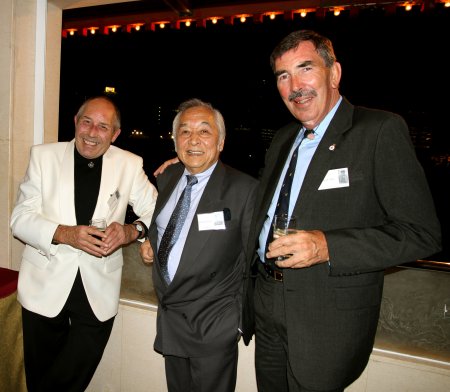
{"x":203,"y":174}
{"x":323,"y":126}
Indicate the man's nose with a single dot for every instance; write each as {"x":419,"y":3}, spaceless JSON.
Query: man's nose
{"x":193,"y":139}
{"x":93,"y":130}
{"x":296,"y":83}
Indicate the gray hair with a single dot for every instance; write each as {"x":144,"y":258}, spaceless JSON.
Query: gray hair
{"x":193,"y":103}
{"x":323,"y":46}
{"x":116,"y":116}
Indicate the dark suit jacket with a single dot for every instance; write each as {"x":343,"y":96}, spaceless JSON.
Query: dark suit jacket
{"x":199,"y":312}
{"x":384,"y":218}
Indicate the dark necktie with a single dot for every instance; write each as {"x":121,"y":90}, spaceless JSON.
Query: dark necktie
{"x":174,"y":226}
{"x":285,"y":191}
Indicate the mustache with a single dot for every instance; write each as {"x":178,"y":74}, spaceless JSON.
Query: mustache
{"x":302,"y":93}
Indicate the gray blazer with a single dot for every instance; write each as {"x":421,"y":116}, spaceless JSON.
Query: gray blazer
{"x":199,"y":312}
{"x":384,"y":218}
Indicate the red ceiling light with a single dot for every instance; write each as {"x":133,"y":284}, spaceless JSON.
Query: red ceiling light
{"x":69,"y":32}
{"x":111,"y":28}
{"x":242,"y":17}
{"x":303,"y":12}
{"x":134,"y":26}
{"x":160,"y":24}
{"x":257,"y":14}
{"x":90,"y":30}
{"x":273,"y":14}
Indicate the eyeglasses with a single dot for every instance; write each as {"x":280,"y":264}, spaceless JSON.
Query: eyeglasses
{"x":88,"y":124}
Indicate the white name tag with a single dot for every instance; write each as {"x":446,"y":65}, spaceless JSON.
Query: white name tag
{"x":114,"y":200}
{"x":337,"y":178}
{"x":211,"y":221}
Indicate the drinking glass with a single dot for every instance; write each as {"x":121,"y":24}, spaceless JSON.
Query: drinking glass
{"x":100,"y":224}
{"x":284,"y":224}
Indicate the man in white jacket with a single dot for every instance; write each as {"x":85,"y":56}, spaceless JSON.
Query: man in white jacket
{"x":69,"y":279}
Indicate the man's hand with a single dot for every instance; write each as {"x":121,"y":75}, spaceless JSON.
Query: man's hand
{"x":118,"y":235}
{"x":306,"y":247}
{"x":93,"y":241}
{"x":146,"y":252}
{"x":163,"y":167}
{"x":82,"y":237}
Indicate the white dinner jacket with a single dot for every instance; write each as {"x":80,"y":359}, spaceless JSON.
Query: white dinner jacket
{"x":46,"y":199}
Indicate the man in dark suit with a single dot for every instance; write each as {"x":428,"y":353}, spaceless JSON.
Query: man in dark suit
{"x":362,"y":204}
{"x":199,"y":284}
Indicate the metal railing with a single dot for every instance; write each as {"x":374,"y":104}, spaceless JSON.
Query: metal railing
{"x":428,"y":264}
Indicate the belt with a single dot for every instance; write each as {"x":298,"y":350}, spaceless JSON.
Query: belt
{"x":277,"y":275}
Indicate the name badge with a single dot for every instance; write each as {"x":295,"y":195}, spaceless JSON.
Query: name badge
{"x":114,"y":200}
{"x":336,"y":178}
{"x":211,"y":221}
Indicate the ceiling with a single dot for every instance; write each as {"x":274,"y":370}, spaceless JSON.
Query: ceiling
{"x":82,"y":14}
{"x":178,"y":7}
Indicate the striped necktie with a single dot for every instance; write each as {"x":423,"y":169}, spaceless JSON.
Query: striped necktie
{"x":285,"y":191}
{"x":174,"y":226}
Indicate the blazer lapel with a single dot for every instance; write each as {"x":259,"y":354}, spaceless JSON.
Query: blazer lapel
{"x":274,"y":171}
{"x":323,"y":156}
{"x":167,"y":189}
{"x":67,"y":186}
{"x":108,"y":186}
{"x":211,"y":201}
{"x":166,"y":184}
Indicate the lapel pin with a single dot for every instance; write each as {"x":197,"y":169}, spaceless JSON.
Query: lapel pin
{"x":332,"y":147}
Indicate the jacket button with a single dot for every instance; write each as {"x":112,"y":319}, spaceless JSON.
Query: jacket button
{"x":164,"y":307}
{"x":213,"y":274}
{"x":184,"y":316}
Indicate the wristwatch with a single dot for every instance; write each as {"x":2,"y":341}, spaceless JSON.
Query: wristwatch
{"x":141,"y":228}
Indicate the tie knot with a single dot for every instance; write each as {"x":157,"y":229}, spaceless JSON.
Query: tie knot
{"x":191,"y":180}
{"x":309,"y":133}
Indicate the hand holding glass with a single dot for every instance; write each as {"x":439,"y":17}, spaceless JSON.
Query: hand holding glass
{"x":99,"y":224}
{"x":284,"y":225}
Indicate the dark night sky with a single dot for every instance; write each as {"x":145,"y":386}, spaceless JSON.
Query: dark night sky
{"x":390,"y":62}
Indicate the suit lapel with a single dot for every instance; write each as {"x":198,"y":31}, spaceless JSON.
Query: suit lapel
{"x":211,"y":201}
{"x":272,"y":173}
{"x":321,"y":161}
{"x":166,"y":184}
{"x":165,"y":190}
{"x":108,"y":185}
{"x":67,"y":186}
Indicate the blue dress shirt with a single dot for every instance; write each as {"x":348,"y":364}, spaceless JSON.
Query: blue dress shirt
{"x":305,"y":155}
{"x":163,"y":218}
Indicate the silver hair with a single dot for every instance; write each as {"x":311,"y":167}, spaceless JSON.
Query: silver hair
{"x":193,"y":103}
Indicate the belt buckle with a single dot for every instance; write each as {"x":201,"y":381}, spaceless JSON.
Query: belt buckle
{"x":278,"y":275}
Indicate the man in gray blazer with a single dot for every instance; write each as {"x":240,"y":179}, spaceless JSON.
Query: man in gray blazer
{"x":362,"y":204}
{"x":69,"y":280}
{"x":198,"y":322}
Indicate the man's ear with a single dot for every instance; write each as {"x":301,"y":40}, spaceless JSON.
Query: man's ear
{"x":336,"y":73}
{"x":115,"y":135}
{"x":221,"y":144}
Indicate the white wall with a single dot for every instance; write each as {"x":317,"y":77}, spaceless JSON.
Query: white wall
{"x":130,"y":364}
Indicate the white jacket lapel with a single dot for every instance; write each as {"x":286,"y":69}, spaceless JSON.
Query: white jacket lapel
{"x":67,"y":187}
{"x":105,"y":202}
